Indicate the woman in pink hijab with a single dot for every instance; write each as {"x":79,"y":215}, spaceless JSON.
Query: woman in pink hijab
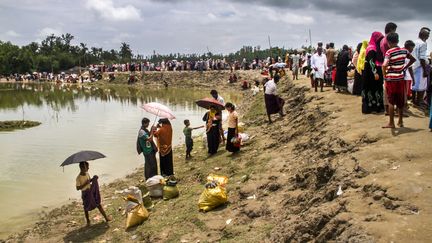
{"x":372,"y":91}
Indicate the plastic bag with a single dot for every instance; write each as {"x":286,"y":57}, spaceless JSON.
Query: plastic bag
{"x":212,"y":197}
{"x":215,"y":193}
{"x":155,"y":186}
{"x":136,"y":216}
{"x":131,"y":202}
{"x":244,"y":137}
{"x":220,"y":180}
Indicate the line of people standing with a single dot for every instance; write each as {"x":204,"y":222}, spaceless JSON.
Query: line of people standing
{"x":163,"y":133}
{"x":387,"y":75}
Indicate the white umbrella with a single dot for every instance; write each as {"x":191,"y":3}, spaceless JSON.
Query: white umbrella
{"x":159,"y":110}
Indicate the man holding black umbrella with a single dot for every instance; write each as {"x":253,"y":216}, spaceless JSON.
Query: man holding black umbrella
{"x":89,"y":187}
{"x":89,"y":192}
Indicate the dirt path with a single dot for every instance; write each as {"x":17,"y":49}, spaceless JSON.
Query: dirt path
{"x":283,"y":185}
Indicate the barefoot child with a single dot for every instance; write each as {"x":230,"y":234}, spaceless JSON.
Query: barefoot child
{"x":409,"y":73}
{"x":187,"y":131}
{"x":393,"y":71}
{"x":89,"y":192}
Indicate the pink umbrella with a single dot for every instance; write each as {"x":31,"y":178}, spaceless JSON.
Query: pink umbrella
{"x":159,"y":110}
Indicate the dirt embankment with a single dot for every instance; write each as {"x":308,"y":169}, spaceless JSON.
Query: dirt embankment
{"x":187,"y":79}
{"x":324,"y":172}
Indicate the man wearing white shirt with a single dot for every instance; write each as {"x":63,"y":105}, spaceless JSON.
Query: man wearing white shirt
{"x":217,"y":97}
{"x":319,"y":65}
{"x":419,"y":67}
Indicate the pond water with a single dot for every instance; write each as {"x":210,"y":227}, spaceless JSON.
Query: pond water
{"x":75,"y":118}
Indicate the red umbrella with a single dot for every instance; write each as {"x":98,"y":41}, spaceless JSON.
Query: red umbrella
{"x":208,"y":102}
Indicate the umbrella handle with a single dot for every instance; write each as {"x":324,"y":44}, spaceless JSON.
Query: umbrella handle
{"x":155,"y":118}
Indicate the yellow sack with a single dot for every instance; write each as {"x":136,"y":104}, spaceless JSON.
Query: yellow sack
{"x":212,"y":198}
{"x":220,"y":180}
{"x":136,"y":216}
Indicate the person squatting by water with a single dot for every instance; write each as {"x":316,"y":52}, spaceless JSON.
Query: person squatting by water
{"x":89,"y":192}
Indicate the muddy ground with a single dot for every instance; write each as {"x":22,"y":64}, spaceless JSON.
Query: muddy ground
{"x":284,"y":183}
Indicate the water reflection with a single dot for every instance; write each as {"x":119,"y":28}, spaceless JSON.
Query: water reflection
{"x":14,"y":96}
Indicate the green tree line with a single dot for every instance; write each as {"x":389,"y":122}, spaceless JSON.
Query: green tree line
{"x":56,"y":53}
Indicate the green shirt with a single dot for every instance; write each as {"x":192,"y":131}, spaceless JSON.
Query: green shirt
{"x":146,"y":146}
{"x":187,"y":131}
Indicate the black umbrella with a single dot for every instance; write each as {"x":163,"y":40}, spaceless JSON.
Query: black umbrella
{"x":82,"y":156}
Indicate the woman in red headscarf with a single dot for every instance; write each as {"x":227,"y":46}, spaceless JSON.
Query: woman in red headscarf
{"x":372,"y":91}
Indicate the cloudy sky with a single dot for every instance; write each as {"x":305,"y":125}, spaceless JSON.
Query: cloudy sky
{"x":223,"y":26}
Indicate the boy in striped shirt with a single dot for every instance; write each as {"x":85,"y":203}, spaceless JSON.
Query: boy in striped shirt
{"x":394,"y":73}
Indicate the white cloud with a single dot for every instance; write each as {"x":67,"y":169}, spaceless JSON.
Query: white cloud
{"x":119,"y":38}
{"x":49,"y":31}
{"x":12,"y":33}
{"x":106,"y":10}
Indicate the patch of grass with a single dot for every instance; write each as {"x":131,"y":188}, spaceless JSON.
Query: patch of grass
{"x":200,"y":224}
{"x":257,"y":109}
{"x":13,"y":125}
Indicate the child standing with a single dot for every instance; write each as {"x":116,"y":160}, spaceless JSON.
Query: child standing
{"x":232,"y":128}
{"x":393,"y":70}
{"x":187,"y":131}
{"x":89,"y":192}
{"x":409,"y":73}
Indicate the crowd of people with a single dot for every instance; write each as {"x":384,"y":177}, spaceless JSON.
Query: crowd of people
{"x":389,"y":77}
